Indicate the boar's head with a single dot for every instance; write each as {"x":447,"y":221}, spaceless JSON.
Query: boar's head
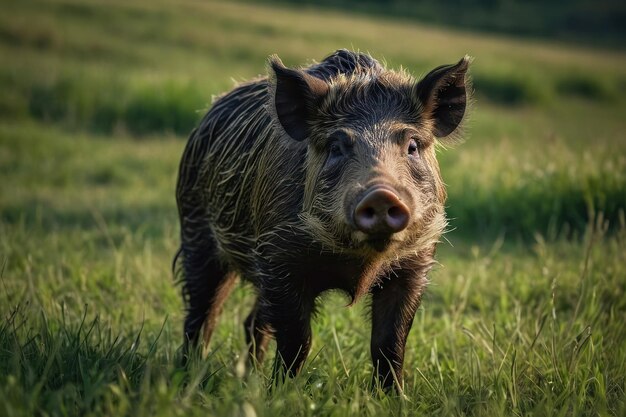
{"x":372,"y":183}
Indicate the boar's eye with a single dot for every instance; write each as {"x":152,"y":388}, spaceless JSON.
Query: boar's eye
{"x":338,"y":146}
{"x":335,"y":153}
{"x":413,"y":149}
{"x":335,"y":150}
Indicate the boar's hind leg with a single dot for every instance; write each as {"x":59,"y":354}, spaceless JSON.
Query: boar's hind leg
{"x":393,"y":309}
{"x":257,"y":335}
{"x":207,"y":284}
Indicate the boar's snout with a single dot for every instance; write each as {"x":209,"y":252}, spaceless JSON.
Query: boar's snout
{"x":380,"y":212}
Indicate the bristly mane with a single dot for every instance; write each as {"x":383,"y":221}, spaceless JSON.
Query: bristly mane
{"x":345,"y":62}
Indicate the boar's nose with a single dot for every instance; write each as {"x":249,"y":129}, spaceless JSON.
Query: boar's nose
{"x":381,"y":212}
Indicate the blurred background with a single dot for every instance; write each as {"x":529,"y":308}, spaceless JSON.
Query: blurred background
{"x":97,"y":99}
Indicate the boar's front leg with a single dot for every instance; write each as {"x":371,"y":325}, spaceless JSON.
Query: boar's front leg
{"x":393,"y":309}
{"x":288,"y":311}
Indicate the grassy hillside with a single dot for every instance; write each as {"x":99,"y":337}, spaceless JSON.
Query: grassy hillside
{"x":524,"y":315}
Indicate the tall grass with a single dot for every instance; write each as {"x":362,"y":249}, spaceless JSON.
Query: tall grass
{"x":553,"y":189}
{"x":112,"y":105}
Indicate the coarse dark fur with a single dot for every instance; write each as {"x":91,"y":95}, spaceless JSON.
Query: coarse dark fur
{"x":267,"y":189}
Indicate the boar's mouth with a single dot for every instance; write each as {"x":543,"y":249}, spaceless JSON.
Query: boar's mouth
{"x":379,"y":244}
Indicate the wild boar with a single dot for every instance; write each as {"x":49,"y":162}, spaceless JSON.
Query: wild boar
{"x":313,"y":179}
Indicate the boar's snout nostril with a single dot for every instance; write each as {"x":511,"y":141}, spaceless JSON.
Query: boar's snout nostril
{"x":381,"y":212}
{"x":369,"y":212}
{"x":397,"y":217}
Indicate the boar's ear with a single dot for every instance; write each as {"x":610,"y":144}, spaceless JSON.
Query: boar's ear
{"x":443,"y":93}
{"x":295,"y":95}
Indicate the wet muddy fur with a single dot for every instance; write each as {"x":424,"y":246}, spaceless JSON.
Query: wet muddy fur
{"x":267,"y":189}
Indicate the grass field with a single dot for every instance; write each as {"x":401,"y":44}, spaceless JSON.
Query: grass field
{"x":526,"y":312}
